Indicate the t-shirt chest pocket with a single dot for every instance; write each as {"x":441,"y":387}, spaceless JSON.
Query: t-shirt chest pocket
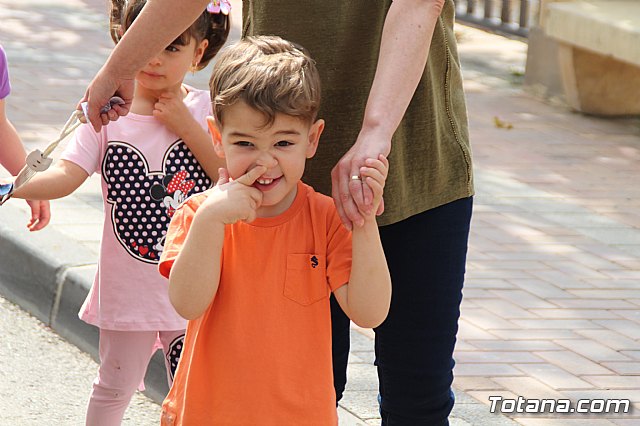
{"x":306,"y":279}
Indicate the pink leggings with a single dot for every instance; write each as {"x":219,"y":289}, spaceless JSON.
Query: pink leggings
{"x":124,"y":357}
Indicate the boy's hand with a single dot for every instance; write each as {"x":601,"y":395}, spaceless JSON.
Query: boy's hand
{"x":233,"y":200}
{"x":173,"y":113}
{"x":40,"y":214}
{"x":374,"y":174}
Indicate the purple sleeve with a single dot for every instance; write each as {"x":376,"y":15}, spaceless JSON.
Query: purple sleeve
{"x":5,"y":87}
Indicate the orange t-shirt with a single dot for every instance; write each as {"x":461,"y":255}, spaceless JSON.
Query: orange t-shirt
{"x":261,"y":352}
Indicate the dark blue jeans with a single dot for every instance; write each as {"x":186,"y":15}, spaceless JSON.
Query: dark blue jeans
{"x":426,"y":254}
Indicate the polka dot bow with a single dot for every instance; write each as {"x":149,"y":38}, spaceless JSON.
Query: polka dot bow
{"x":178,"y":182}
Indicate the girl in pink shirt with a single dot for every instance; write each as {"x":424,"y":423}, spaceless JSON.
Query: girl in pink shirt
{"x":150,"y":161}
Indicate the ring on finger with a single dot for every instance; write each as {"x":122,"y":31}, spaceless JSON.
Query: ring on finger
{"x":356,"y":177}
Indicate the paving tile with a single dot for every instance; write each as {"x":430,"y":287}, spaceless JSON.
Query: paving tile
{"x":573,"y":363}
{"x":562,"y":324}
{"x":611,"y":339}
{"x":487,"y":283}
{"x":476,"y":383}
{"x":593,"y":303}
{"x":614,"y":382}
{"x":528,"y":387}
{"x":587,"y":314}
{"x":625,"y":327}
{"x":504,"y":308}
{"x":467,"y":331}
{"x":514,"y":345}
{"x":496,"y":357}
{"x":592,"y":350}
{"x":607,"y":294}
{"x":522,"y":298}
{"x":485,"y":370}
{"x":540,"y":288}
{"x":561,"y":279}
{"x":486,"y":320}
{"x":535,"y":334}
{"x":630,"y":314}
{"x":631,"y":368}
{"x":631,"y":354}
{"x":553,"y":376}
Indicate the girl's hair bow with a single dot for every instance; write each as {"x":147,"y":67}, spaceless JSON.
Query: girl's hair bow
{"x":219,"y":6}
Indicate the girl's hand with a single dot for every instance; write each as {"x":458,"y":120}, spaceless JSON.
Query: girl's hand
{"x":374,"y":175}
{"x":233,"y":200}
{"x":173,"y":113}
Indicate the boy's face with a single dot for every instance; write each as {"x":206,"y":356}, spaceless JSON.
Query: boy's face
{"x":282,"y":148}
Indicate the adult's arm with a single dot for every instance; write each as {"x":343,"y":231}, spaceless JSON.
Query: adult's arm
{"x":404,"y":48}
{"x":158,"y":24}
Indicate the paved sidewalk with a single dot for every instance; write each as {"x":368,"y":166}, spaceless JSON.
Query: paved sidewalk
{"x":552,"y":299}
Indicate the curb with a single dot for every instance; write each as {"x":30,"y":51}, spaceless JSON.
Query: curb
{"x":49,"y":275}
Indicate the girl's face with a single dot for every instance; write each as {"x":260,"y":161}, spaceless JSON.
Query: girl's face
{"x":165,"y":72}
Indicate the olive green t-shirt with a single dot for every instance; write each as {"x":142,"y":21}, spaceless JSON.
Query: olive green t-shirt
{"x":430,"y":160}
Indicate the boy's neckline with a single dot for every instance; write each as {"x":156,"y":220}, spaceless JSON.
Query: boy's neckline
{"x":294,"y":208}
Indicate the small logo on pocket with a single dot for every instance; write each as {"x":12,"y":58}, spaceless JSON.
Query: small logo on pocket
{"x":314,"y":262}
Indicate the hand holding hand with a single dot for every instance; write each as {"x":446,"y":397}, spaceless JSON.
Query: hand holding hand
{"x":354,"y":197}
{"x":374,"y":175}
{"x":173,"y":113}
{"x":233,"y":200}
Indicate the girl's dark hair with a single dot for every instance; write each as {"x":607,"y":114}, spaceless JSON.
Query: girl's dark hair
{"x":209,"y":26}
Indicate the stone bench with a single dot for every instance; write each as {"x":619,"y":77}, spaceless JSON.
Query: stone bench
{"x":598,"y":53}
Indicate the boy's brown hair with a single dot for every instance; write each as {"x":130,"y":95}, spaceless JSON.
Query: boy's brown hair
{"x":269,"y":74}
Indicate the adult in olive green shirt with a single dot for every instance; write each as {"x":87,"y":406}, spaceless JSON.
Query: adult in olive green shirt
{"x":380,"y":95}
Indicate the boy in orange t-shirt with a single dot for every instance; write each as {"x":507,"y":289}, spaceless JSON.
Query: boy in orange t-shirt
{"x":251,"y":263}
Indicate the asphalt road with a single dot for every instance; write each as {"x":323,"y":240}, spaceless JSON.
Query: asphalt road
{"x":44,"y":380}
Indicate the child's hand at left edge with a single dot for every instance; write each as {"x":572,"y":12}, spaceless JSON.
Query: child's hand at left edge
{"x":173,"y":113}
{"x":40,"y":210}
{"x":40,"y":214}
{"x":374,"y":174}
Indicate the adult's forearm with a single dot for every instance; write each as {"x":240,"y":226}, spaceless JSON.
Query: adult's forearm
{"x":159,"y":23}
{"x":406,"y":39}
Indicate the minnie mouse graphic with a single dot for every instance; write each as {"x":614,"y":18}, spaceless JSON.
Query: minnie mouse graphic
{"x":172,"y":191}
{"x":143,"y":201}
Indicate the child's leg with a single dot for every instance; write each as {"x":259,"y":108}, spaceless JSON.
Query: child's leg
{"x":124,"y":357}
{"x":172,"y":342}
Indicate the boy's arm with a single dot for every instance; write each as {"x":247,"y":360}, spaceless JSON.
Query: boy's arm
{"x":367,"y":296}
{"x":195,"y":274}
{"x":57,"y":182}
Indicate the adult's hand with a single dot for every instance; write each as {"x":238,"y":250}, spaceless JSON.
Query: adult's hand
{"x":353,"y":195}
{"x":105,"y":85}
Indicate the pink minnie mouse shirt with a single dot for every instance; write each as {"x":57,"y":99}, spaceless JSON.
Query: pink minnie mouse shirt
{"x":147,"y":171}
